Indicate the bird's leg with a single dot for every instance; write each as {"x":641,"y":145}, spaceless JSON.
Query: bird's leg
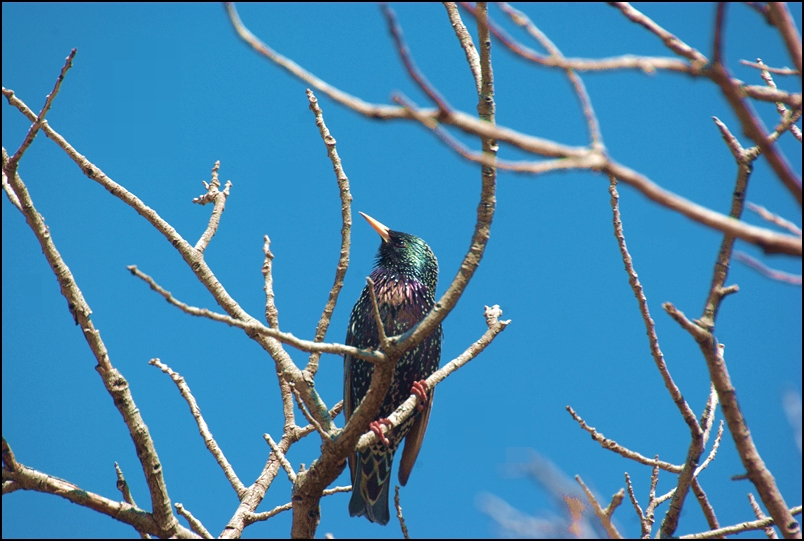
{"x":376,"y":427}
{"x":419,"y":388}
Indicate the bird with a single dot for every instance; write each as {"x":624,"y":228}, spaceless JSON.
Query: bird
{"x":405,"y":277}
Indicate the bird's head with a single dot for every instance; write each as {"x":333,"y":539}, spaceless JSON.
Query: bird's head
{"x":406,"y":254}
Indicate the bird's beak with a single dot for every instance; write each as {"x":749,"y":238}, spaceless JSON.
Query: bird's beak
{"x":381,"y":229}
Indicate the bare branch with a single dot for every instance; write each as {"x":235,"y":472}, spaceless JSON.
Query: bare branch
{"x":770,"y":533}
{"x":767,"y":240}
{"x":642,"y":522}
{"x":703,"y":502}
{"x":218,"y":197}
{"x":761,"y":66}
{"x":114,"y":382}
{"x":259,"y":517}
{"x":346,"y":228}
{"x":671,"y":41}
{"x":645,"y":64}
{"x":755,"y":467}
{"x":40,"y":118}
{"x":281,"y":456}
{"x":752,"y":125}
{"x":122,"y":485}
{"x":612,"y":445}
{"x":604,"y":514}
{"x":465,"y":39}
{"x":580,"y":90}
{"x":376,"y":311}
{"x":773,"y":274}
{"x":7,"y":187}
{"x":310,"y":419}
{"x":255,"y":326}
{"x":783,"y":111}
{"x":203,"y":428}
{"x":650,"y":510}
{"x":141,"y":520}
{"x":410,"y":64}
{"x":399,"y":513}
{"x":738,"y":528}
{"x":406,"y":409}
{"x":771,"y":242}
{"x":197,"y":526}
{"x":650,"y":326}
{"x":774,"y":218}
{"x":271,"y":312}
{"x":780,"y":17}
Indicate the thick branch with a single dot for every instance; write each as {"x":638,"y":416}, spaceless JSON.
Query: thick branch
{"x":115,"y":383}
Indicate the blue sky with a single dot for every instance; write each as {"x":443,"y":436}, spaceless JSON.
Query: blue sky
{"x":159,"y":92}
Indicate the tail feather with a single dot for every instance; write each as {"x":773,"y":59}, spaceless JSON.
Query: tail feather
{"x":370,"y":486}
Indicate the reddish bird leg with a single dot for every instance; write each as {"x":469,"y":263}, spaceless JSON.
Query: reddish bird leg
{"x":376,"y":427}
{"x":419,"y":388}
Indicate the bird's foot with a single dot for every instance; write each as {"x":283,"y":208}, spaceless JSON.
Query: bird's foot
{"x":419,"y":388}
{"x":376,"y":427}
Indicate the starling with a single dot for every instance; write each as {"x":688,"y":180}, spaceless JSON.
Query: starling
{"x":405,"y":277}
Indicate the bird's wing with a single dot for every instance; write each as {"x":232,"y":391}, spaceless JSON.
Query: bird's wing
{"x":413,"y":441}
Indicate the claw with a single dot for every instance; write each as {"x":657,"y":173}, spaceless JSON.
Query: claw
{"x":376,"y":427}
{"x":419,"y":388}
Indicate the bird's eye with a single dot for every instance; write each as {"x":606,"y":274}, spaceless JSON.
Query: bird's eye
{"x":399,"y":243}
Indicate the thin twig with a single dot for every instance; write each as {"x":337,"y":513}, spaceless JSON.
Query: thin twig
{"x":406,"y":409}
{"x":770,"y":533}
{"x":612,"y":445}
{"x":779,"y":16}
{"x":197,"y":526}
{"x":401,"y":518}
{"x":580,"y":90}
{"x":765,"y":67}
{"x":650,"y":510}
{"x":774,"y":218}
{"x":593,"y":160}
{"x":751,"y":123}
{"x":309,"y":417}
{"x":773,"y":274}
{"x":255,"y":326}
{"x":141,"y":520}
{"x":259,"y":517}
{"x":410,"y":64}
{"x":739,"y":528}
{"x":218,"y":197}
{"x":604,"y":514}
{"x":40,"y":118}
{"x":375,"y":309}
{"x":706,"y":506}
{"x":650,"y":326}
{"x":346,"y":227}
{"x":203,"y":428}
{"x":271,"y":312}
{"x":282,"y":458}
{"x":642,"y":522}
{"x":465,"y":39}
{"x":122,"y":485}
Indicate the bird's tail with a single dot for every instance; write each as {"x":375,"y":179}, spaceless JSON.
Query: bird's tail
{"x":372,"y":480}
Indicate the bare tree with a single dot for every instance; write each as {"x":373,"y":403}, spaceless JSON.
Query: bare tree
{"x":298,"y":385}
